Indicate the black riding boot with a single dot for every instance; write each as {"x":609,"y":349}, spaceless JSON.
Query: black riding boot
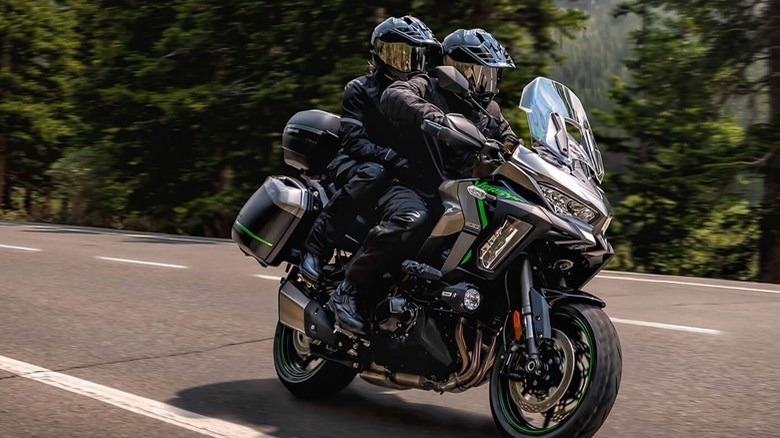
{"x":344,"y":305}
{"x":311,"y":267}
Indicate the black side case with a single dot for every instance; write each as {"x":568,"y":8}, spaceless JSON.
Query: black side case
{"x":266,"y":225}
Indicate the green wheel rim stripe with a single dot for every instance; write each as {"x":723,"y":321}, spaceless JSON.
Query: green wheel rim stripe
{"x":287,"y":365}
{"x":503,"y":400}
{"x":592,"y":356}
{"x":511,"y":418}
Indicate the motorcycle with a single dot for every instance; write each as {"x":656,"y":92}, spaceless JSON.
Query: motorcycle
{"x":494,"y":295}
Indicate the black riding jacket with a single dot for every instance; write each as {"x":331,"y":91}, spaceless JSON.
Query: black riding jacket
{"x":366,"y":133}
{"x":409,"y":103}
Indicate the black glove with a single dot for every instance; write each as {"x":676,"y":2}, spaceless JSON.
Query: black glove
{"x":436,"y":117}
{"x":395,"y":162}
{"x":511,"y":143}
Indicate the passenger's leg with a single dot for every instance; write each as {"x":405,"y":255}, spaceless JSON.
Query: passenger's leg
{"x":357,"y":180}
{"x":389,"y":243}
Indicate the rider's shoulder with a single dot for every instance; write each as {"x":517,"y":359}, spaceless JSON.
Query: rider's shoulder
{"x":360,"y":83}
{"x":420,"y":81}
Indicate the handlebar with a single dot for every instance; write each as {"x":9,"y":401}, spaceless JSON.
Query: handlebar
{"x":457,"y":139}
{"x":431,"y":127}
{"x":447,"y":135}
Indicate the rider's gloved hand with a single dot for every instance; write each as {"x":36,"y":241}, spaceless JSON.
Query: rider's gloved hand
{"x":436,"y":117}
{"x":511,"y":143}
{"x":396,"y":163}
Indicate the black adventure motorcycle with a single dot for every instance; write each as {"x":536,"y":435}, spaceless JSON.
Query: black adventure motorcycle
{"x":494,"y":295}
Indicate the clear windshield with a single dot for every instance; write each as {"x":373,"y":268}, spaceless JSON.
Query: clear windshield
{"x":560,"y":127}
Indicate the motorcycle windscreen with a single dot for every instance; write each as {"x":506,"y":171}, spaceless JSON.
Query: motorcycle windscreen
{"x":559,"y":125}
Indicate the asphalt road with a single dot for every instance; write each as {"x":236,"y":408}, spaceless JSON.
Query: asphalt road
{"x":197,"y":335}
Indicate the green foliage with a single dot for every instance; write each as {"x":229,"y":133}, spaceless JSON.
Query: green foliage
{"x":594,"y":57}
{"x":166,"y":115}
{"x":186,"y":99}
{"x":684,"y":154}
{"x":38,"y":43}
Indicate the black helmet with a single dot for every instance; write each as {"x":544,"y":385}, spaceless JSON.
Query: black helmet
{"x":479,"y":57}
{"x":401,"y":47}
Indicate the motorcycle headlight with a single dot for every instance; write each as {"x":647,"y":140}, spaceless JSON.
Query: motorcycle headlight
{"x":564,"y":204}
{"x":501,"y":243}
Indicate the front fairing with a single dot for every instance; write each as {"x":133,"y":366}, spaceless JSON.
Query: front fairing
{"x":543,"y":172}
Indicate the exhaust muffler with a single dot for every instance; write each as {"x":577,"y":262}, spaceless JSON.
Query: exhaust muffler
{"x":292,"y":305}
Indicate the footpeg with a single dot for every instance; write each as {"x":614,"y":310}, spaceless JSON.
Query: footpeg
{"x":337,"y":328}
{"x":421,"y":270}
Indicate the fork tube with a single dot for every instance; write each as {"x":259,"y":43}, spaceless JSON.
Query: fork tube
{"x":526,"y":282}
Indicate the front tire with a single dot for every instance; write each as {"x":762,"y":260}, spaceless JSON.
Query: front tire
{"x":575,"y":395}
{"x":303,"y":374}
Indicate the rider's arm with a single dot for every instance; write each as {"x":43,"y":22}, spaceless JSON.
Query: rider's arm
{"x":404,"y":102}
{"x":354,"y":137}
{"x":501,"y":130}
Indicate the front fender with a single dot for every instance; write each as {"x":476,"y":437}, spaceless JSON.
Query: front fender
{"x":557,"y":297}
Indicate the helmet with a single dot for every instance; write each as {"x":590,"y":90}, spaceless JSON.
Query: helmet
{"x":401,"y":47}
{"x":479,"y":57}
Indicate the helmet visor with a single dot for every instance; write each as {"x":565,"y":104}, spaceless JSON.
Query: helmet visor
{"x":402,"y":56}
{"x":482,"y":79}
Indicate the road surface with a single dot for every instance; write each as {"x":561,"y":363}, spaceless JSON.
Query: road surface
{"x":121,"y":334}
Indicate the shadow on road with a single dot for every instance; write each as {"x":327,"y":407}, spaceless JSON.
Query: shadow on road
{"x":352,"y":413}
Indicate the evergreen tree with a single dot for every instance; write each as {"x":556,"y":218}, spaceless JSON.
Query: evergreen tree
{"x":682,"y":151}
{"x":38,"y":41}
{"x":187,"y":99}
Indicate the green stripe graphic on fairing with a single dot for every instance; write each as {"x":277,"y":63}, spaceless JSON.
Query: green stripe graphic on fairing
{"x":482,"y":215}
{"x":500,"y":192}
{"x":251,"y":234}
{"x":466,"y":258}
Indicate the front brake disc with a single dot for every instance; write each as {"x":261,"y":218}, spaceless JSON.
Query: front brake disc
{"x":532,"y":403}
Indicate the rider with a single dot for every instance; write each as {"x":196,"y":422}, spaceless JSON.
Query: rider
{"x":400,"y":48}
{"x":403,"y":207}
{"x":480,"y":58}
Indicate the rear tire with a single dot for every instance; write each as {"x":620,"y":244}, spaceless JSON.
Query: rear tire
{"x":584,"y":335}
{"x":302,"y":374}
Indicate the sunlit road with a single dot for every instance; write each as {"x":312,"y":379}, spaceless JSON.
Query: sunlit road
{"x":192,"y":328}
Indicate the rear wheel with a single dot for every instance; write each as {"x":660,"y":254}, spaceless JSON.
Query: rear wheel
{"x":303,"y":374}
{"x":575,"y":393}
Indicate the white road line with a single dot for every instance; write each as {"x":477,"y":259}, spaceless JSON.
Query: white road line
{"x":150,"y":408}
{"x":687,"y":283}
{"x":20,"y":248}
{"x":658,"y":325}
{"x":142,"y":262}
{"x":268,"y":277}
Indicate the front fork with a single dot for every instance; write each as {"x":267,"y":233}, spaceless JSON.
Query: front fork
{"x":534,"y":321}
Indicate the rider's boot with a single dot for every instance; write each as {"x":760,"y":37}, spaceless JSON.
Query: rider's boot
{"x":344,"y":305}
{"x":311,"y":267}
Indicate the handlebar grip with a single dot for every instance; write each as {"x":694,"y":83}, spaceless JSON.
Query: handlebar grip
{"x":430,"y":127}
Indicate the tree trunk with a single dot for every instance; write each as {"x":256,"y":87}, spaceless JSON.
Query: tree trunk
{"x":5,"y":64}
{"x":769,"y":245}
{"x":5,"y":198}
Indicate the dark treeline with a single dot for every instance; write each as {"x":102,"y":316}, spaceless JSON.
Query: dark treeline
{"x":165,"y":115}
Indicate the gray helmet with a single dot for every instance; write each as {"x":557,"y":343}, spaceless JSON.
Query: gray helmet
{"x":479,"y":57}
{"x":402,"y":47}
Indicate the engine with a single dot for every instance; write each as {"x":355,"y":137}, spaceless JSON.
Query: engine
{"x":414,"y":338}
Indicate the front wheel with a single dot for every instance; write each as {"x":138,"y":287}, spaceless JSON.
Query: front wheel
{"x":576,"y":391}
{"x":303,"y":374}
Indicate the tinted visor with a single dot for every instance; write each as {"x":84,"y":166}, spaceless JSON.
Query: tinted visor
{"x":402,"y":56}
{"x":481,"y":79}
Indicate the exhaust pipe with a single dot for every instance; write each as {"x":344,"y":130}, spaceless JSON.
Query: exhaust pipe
{"x":292,"y":303}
